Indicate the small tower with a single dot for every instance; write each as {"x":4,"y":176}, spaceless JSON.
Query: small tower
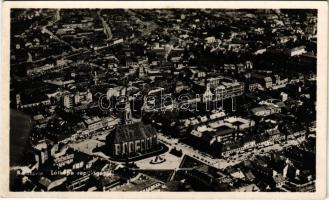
{"x":127,"y":116}
{"x":207,"y":96}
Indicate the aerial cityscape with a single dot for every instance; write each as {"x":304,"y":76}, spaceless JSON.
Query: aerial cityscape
{"x":169,"y":100}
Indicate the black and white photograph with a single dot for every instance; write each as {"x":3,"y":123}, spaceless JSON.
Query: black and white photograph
{"x":163,"y":100}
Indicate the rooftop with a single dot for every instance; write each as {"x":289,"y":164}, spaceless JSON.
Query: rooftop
{"x":131,"y":132}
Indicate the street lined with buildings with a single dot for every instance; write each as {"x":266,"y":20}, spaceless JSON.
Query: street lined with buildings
{"x":165,"y":99}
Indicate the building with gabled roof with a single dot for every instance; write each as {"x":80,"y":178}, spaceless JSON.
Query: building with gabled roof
{"x":130,"y":139}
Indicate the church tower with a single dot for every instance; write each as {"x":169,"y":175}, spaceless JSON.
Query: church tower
{"x":127,"y":116}
{"x":208,"y":95}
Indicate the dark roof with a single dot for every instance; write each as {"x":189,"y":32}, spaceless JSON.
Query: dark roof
{"x":99,"y":165}
{"x":223,"y":130}
{"x":248,"y":137}
{"x":33,"y":98}
{"x":131,"y":132}
{"x":80,"y":156}
{"x":207,"y":137}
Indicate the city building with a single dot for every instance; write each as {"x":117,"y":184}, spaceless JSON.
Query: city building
{"x":93,"y":123}
{"x":129,"y":140}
